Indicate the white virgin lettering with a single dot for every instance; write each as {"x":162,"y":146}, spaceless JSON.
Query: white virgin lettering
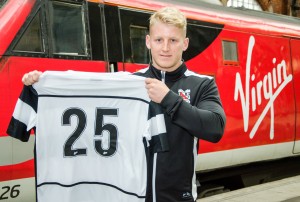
{"x":268,"y":88}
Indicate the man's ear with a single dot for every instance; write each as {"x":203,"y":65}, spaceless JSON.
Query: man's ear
{"x":186,"y":43}
{"x":148,"y":41}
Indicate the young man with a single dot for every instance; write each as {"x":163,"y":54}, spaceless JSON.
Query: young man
{"x":191,"y":104}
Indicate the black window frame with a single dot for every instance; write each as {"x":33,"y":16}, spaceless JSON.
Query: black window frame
{"x":37,"y":10}
{"x":38,"y":17}
{"x":132,"y":18}
{"x":42,"y":8}
{"x":83,"y":5}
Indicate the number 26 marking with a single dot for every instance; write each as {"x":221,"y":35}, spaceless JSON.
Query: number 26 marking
{"x":11,"y":192}
{"x":100,"y":127}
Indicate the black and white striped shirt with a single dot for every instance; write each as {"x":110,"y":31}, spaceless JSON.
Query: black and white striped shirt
{"x":94,"y":132}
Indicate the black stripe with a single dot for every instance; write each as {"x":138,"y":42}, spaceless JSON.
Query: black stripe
{"x":29,"y":96}
{"x":95,"y":96}
{"x":159,"y":143}
{"x":95,"y":183}
{"x":154,"y":110}
{"x":18,"y":130}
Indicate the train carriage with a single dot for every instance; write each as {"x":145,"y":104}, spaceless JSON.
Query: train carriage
{"x":254,"y":57}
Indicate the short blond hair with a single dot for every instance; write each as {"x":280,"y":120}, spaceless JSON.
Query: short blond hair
{"x":171,"y":16}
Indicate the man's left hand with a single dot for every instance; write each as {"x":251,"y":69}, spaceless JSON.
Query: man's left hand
{"x":156,"y":89}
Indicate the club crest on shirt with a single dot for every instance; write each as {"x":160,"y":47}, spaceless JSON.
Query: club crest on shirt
{"x":186,"y":195}
{"x":185,"y":94}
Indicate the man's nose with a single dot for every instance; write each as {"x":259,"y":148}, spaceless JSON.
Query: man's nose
{"x":166,"y":46}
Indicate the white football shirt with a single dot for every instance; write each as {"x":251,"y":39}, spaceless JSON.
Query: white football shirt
{"x":93,"y":134}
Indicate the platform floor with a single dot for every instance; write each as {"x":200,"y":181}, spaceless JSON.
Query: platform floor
{"x":285,"y":190}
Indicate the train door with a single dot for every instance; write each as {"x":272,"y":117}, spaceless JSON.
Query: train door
{"x":112,"y":37}
{"x":134,"y":25}
{"x":295,"y":56}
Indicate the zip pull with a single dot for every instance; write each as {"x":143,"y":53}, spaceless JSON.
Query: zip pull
{"x":163,"y":76}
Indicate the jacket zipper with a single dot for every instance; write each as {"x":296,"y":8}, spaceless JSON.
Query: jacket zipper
{"x":163,"y":76}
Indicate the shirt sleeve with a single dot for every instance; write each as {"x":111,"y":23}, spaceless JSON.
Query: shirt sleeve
{"x":24,"y":115}
{"x":157,"y":128}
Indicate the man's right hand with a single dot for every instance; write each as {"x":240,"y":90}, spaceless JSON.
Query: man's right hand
{"x":31,"y":77}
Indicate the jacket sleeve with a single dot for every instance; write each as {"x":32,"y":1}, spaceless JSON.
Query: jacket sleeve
{"x":205,"y":119}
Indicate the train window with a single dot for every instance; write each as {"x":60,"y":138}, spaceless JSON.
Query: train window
{"x":140,"y":53}
{"x":230,"y":54}
{"x":134,"y":30}
{"x":67,"y":27}
{"x":31,"y":40}
{"x":2,"y":2}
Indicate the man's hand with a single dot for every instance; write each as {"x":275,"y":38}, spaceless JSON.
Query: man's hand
{"x":156,"y":89}
{"x":31,"y":77}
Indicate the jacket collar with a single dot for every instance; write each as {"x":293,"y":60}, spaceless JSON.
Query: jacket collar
{"x":169,"y":76}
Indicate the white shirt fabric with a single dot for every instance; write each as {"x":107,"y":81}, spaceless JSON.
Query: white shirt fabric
{"x":91,"y":132}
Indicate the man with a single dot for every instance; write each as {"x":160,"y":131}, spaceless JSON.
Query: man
{"x":191,"y":105}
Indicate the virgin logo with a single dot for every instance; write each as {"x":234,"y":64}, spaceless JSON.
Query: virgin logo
{"x":268,"y":88}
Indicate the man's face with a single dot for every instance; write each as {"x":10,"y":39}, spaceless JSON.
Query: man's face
{"x":167,"y":43}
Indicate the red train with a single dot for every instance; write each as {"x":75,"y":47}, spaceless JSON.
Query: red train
{"x":254,"y":57}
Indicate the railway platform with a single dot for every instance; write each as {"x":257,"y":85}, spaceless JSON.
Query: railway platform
{"x":285,"y":190}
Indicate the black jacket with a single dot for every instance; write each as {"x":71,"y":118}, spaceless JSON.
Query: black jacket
{"x":193,"y":111}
